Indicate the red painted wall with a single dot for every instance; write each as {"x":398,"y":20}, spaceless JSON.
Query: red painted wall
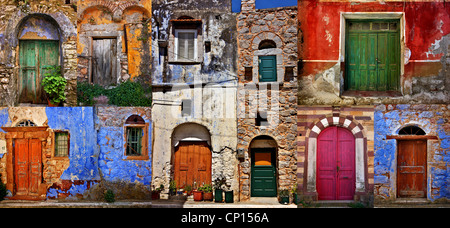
{"x":426,"y":22}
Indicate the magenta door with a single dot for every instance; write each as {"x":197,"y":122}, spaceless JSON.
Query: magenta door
{"x":335,"y":164}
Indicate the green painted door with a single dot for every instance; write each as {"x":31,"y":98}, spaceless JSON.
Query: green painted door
{"x":268,"y":68}
{"x":372,"y":56}
{"x":263,"y":174}
{"x":36,"y":58}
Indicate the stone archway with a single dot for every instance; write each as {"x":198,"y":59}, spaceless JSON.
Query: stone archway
{"x":357,"y":130}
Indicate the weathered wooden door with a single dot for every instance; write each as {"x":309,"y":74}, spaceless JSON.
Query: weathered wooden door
{"x":104,"y":64}
{"x":372,"y":56}
{"x":28,"y":166}
{"x":335,"y":164}
{"x":192,"y":163}
{"x":263,"y":172}
{"x":268,"y":68}
{"x":412,"y":168}
{"x":36,"y":58}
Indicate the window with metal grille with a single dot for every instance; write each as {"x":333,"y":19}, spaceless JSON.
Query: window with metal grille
{"x":61,"y":144}
{"x":26,"y":123}
{"x":134,"y":141}
{"x":411,"y":130}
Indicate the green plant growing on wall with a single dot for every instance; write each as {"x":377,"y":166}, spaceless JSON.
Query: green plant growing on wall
{"x":126,"y":94}
{"x":54,"y":85}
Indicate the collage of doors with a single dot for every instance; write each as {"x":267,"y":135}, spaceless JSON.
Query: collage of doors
{"x":307,"y":103}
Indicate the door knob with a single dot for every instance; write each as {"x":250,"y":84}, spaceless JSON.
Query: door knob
{"x":337,"y":168}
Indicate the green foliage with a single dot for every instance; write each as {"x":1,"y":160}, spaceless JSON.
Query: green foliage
{"x":3,"y":191}
{"x":126,"y":94}
{"x":54,"y":85}
{"x":206,"y":188}
{"x":109,"y":196}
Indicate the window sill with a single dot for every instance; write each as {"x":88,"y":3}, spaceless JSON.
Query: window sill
{"x":354,"y":93}
{"x":143,"y":157}
{"x":185,"y":62}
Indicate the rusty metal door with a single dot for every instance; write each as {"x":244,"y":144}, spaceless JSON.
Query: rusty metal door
{"x":192,"y":164}
{"x":104,"y":65}
{"x":412,"y":168}
{"x":28,"y":166}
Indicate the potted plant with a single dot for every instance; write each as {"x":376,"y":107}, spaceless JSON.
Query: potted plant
{"x":198,"y":193}
{"x":188,"y":189}
{"x":156,"y":192}
{"x":54,"y":85}
{"x":294,"y":194}
{"x":172,"y":188}
{"x":207,"y":192}
{"x":284,"y":196}
{"x":219,"y":182}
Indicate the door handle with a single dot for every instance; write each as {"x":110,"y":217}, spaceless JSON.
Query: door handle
{"x":337,"y":168}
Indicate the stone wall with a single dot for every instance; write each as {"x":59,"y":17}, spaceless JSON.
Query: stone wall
{"x":274,"y":101}
{"x":433,"y":119}
{"x":129,"y":22}
{"x":311,"y":121}
{"x":13,"y":14}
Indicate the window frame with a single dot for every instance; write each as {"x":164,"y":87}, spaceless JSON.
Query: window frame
{"x":54,"y":144}
{"x":176,"y":45}
{"x":144,"y":142}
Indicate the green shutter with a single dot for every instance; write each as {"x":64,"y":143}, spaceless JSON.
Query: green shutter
{"x":134,"y":141}
{"x":372,"y":56}
{"x":268,"y":68}
{"x":36,"y":57}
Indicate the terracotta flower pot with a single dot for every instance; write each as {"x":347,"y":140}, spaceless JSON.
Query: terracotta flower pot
{"x":208,"y":196}
{"x":198,"y":195}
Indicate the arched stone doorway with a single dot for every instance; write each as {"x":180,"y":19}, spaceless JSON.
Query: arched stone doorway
{"x":39,"y":54}
{"x":264,"y":172}
{"x":192,"y":157}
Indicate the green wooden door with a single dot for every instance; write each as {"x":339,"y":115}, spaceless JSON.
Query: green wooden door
{"x":372,"y":56}
{"x":268,"y":68}
{"x":263,"y":174}
{"x":36,"y":58}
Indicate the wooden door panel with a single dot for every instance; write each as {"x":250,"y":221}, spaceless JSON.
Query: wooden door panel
{"x":263,"y":172}
{"x":192,"y":163}
{"x":411,"y":170}
{"x":104,"y":64}
{"x":35,"y":165}
{"x":335,"y":164}
{"x":21,"y":166}
{"x":372,"y":58}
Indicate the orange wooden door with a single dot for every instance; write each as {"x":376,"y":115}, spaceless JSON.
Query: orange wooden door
{"x":192,"y":163}
{"x":412,"y":168}
{"x":28,"y":167}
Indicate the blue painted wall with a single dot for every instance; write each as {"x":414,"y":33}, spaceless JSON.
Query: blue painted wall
{"x":431,"y":118}
{"x":83,"y":153}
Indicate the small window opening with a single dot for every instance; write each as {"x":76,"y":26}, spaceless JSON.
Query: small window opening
{"x":26,"y":123}
{"x":61,"y":144}
{"x":207,"y":46}
{"x":261,"y":119}
{"x":134,"y":141}
{"x":411,"y":130}
{"x":186,"y":105}
{"x":289,"y":74}
{"x":135,"y":119}
{"x":248,"y":73}
{"x":266,"y":44}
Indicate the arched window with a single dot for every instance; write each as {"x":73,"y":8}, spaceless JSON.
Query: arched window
{"x":136,"y":138}
{"x":411,"y":130}
{"x":26,"y":123}
{"x":266,"y":44}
